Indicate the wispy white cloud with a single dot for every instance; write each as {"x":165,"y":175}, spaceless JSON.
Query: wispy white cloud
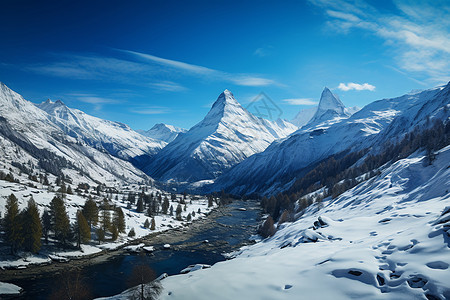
{"x":263,"y":51}
{"x":242,"y":79}
{"x":168,"y":86}
{"x":418,"y":36}
{"x":356,"y":86}
{"x":93,"y":99}
{"x":151,"y":110}
{"x":300,"y":101}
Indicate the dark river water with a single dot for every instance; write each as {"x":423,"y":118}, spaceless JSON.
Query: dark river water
{"x":111,"y":277}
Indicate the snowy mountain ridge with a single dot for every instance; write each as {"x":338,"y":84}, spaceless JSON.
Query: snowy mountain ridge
{"x":163,"y":132}
{"x":272,"y":170}
{"x":227,"y":135}
{"x":116,"y":138}
{"x":29,"y":135}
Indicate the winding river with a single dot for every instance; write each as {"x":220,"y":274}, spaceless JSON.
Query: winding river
{"x":225,"y":230}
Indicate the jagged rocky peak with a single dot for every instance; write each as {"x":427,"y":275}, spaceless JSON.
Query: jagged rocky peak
{"x":330,"y":107}
{"x":330,"y":101}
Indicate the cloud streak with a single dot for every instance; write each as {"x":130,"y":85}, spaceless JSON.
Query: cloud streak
{"x":300,"y":101}
{"x":242,"y":79}
{"x":418,"y":35}
{"x":356,"y":86}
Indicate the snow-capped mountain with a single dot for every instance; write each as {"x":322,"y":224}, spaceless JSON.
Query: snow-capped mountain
{"x":330,"y":108}
{"x":226,"y":136}
{"x":387,"y":238}
{"x":304,"y":116}
{"x":274,"y":169}
{"x":116,"y":138}
{"x":163,"y":132}
{"x":29,"y":135}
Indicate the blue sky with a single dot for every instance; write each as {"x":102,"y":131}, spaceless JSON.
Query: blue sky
{"x":145,"y":62}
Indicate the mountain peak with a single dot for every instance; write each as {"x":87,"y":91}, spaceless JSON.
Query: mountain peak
{"x":328,"y":100}
{"x":330,"y":106}
{"x":226,"y":97}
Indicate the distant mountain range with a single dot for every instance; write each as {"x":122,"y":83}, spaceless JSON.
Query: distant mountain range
{"x":230,"y":149}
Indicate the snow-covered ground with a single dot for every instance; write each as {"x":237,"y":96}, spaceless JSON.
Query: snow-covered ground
{"x":387,"y":238}
{"x":9,"y":289}
{"x":133,"y":219}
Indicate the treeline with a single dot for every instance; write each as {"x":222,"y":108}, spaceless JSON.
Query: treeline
{"x":26,"y":229}
{"x":339,"y":173}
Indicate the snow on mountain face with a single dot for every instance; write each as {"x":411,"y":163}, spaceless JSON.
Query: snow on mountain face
{"x":116,"y":138}
{"x":268,"y":172}
{"x":163,"y":132}
{"x":226,"y":136}
{"x":304,"y":116}
{"x":387,"y":238}
{"x":29,"y":135}
{"x":330,"y":107}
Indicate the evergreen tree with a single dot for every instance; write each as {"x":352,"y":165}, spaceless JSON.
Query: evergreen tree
{"x":105,"y":220}
{"x":146,"y":223}
{"x":12,"y":224}
{"x":189,"y":217}
{"x":46,"y":224}
{"x":119,"y":219}
{"x":171,"y":210}
{"x":100,"y":235}
{"x":140,"y":206}
{"x":82,"y":229}
{"x":90,"y":212}
{"x":32,"y":227}
{"x":132,"y":233}
{"x":165,"y":205}
{"x":179,"y":211}
{"x":60,"y":219}
{"x":210,"y":201}
{"x":114,"y":232}
{"x":153,"y":225}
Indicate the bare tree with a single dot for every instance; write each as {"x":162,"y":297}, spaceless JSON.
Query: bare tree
{"x":71,"y":286}
{"x":147,"y":288}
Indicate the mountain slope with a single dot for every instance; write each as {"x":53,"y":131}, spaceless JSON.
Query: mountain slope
{"x":163,"y":132}
{"x":272,"y":170}
{"x":226,"y":136}
{"x":116,"y":138}
{"x":29,"y":136}
{"x":387,"y":238}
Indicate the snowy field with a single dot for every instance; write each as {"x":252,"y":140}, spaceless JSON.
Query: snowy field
{"x":387,"y":238}
{"x":75,"y":202}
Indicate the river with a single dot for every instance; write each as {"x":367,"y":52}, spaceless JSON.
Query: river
{"x":226,"y":230}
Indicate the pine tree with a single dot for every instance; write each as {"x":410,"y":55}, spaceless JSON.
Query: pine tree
{"x":60,"y":219}
{"x":210,"y":201}
{"x":179,"y":211}
{"x":132,"y":233}
{"x":171,"y":210}
{"x":105,"y":220}
{"x":46,"y":224}
{"x":147,"y":223}
{"x":119,"y":219}
{"x":90,"y":212}
{"x":32,"y":228}
{"x":140,"y":206}
{"x":153,"y":226}
{"x":12,"y":223}
{"x":82,"y":229}
{"x":165,"y":205}
{"x":114,"y":232}
{"x":189,"y":217}
{"x":100,"y":235}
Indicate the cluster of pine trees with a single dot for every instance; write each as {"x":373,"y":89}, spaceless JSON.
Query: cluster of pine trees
{"x":25,"y":229}
{"x":341,"y":172}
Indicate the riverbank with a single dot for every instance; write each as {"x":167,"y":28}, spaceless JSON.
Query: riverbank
{"x":176,"y":237}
